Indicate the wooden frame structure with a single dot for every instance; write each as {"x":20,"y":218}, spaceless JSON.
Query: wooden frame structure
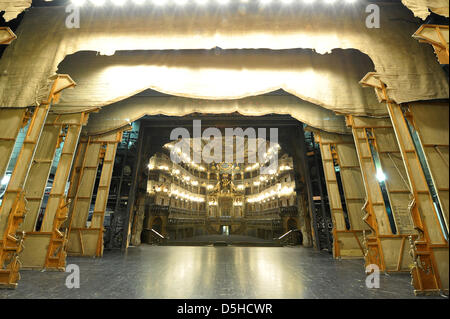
{"x":83,"y":240}
{"x":340,"y":149}
{"x":6,"y":35}
{"x":429,"y":248}
{"x":45,"y":247}
{"x":13,"y":208}
{"x":437,"y":36}
{"x":385,"y":245}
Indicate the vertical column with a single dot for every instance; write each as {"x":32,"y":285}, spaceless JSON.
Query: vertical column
{"x":38,"y":243}
{"x":102,"y":195}
{"x":12,"y":210}
{"x":83,"y":240}
{"x":40,"y":170}
{"x":133,"y":189}
{"x":388,"y":197}
{"x":83,"y":197}
{"x":11,"y":120}
{"x":430,"y":250}
{"x":340,"y":150}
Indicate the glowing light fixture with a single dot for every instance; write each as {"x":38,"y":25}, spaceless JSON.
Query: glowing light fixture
{"x":286,"y":1}
{"x":380,"y":175}
{"x":330,"y":1}
{"x":223,"y":2}
{"x":180,"y":2}
{"x":265,"y":2}
{"x":139,"y":2}
{"x":5,"y":179}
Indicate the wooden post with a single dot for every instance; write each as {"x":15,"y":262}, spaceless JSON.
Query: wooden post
{"x":388,"y":215}
{"x":83,"y":240}
{"x":430,"y":248}
{"x":133,"y":189}
{"x":103,"y":191}
{"x":341,"y":149}
{"x":11,"y":120}
{"x":38,"y":243}
{"x":12,"y":210}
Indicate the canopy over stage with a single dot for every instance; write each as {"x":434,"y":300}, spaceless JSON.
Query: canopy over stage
{"x":407,"y":67}
{"x":122,"y":113}
{"x":329,"y":80}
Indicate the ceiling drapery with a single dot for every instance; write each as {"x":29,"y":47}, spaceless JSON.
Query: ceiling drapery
{"x":13,"y":8}
{"x":408,"y":68}
{"x":120,"y":114}
{"x":329,"y":80}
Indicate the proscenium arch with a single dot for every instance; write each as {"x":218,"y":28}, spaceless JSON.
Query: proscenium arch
{"x":43,"y":32}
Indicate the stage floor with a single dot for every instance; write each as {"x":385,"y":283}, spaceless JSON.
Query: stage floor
{"x":212,"y":272}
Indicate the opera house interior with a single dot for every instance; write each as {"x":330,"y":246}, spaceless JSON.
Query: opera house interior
{"x":210,"y":149}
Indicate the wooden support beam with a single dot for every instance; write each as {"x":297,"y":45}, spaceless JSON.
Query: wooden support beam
{"x":437,"y":36}
{"x":341,"y":149}
{"x":13,"y":204}
{"x":6,"y":35}
{"x":11,"y":120}
{"x":102,"y":194}
{"x":39,"y":173}
{"x":85,"y":241}
{"x":429,"y":248}
{"x":430,"y":272}
{"x":384,"y":243}
{"x":46,"y":248}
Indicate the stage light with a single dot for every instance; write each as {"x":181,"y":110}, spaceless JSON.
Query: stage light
{"x":350,"y":1}
{"x":286,"y":1}
{"x":138,"y":1}
{"x":5,"y":179}
{"x":223,"y":2}
{"x":201,"y":2}
{"x":380,"y":175}
{"x":180,"y":2}
{"x":265,"y":2}
{"x":309,"y":1}
{"x":330,"y":1}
